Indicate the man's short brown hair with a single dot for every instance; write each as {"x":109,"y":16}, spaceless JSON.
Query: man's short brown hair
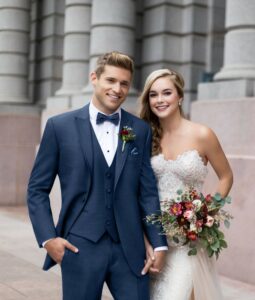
{"x":116,"y":59}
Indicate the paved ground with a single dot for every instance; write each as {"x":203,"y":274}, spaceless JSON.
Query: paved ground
{"x":21,"y":276}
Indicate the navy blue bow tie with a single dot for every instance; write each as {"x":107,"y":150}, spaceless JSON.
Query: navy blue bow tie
{"x":101,"y":118}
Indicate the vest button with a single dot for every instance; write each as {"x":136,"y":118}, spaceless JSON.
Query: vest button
{"x":108,"y":175}
{"x":109,"y":191}
{"x":108,"y":222}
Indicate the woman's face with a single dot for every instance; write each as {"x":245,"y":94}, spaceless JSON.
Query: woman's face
{"x":164,"y":98}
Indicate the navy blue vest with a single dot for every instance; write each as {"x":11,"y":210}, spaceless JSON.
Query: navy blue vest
{"x":97,"y":217}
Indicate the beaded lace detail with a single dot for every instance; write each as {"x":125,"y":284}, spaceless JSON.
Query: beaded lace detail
{"x":187,"y":169}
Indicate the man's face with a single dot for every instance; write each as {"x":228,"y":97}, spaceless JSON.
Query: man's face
{"x":111,"y":88}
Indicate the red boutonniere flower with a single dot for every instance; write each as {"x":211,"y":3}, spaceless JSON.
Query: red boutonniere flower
{"x":126,"y":135}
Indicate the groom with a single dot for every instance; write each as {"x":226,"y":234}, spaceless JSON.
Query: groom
{"x":107,"y":186}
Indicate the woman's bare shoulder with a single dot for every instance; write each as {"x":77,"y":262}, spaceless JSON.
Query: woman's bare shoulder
{"x":200,"y":131}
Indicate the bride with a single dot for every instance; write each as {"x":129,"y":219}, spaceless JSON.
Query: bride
{"x":181,"y":150}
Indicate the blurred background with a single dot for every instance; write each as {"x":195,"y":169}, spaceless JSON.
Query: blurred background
{"x":49,"y":47}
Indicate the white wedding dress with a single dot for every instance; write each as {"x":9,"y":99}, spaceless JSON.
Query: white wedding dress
{"x":183,"y":275}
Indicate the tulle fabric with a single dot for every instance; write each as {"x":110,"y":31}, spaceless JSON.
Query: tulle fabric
{"x":205,"y":278}
{"x":186,"y":277}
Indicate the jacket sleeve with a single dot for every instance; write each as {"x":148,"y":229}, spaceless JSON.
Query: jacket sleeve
{"x":41,"y":181}
{"x":149,"y":199}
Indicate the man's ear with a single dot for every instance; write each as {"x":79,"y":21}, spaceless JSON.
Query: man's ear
{"x":93,"y":77}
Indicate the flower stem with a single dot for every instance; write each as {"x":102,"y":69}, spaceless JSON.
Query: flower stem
{"x":123,"y":146}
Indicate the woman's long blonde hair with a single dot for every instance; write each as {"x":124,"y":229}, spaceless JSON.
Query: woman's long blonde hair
{"x":146,"y":113}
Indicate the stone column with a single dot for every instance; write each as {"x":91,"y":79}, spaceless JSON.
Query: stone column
{"x":239,"y":58}
{"x":76,"y":46}
{"x":113,"y":28}
{"x":19,"y":122}
{"x":14,"y":45}
{"x":227,"y":105}
{"x":174,"y":36}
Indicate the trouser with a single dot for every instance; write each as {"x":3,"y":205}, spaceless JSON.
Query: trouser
{"x":84,"y":273}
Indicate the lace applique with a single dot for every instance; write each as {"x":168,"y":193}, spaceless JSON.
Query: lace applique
{"x":187,"y":169}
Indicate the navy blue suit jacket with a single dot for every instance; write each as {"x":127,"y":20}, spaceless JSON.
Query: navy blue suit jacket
{"x":66,"y":151}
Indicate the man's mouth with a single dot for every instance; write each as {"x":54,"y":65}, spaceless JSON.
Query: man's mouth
{"x":114,"y":97}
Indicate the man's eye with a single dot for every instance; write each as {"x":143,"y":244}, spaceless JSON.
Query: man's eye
{"x":110,"y":80}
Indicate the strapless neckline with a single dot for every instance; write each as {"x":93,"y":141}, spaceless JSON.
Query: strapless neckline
{"x":179,"y":156}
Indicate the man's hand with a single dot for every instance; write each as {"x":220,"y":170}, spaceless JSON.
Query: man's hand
{"x":149,"y":256}
{"x":56,"y":248}
{"x":155,"y":261}
{"x":158,"y":263}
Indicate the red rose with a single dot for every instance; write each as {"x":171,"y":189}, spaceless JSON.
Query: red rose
{"x":208,"y":198}
{"x":124,"y":132}
{"x":188,"y":205}
{"x":192,"y":236}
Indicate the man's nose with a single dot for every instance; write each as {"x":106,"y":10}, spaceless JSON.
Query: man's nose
{"x":117,"y":88}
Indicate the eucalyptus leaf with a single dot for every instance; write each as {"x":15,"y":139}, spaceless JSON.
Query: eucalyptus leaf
{"x":217,"y":197}
{"x":215,"y":246}
{"x":223,"y":244}
{"x":228,"y":199}
{"x":179,"y":192}
{"x":210,"y":252}
{"x":175,"y":239}
{"x":220,"y":235}
{"x":227,"y":223}
{"x":204,"y":243}
{"x":193,"y":251}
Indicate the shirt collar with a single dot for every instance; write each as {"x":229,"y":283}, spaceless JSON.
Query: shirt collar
{"x":93,"y":111}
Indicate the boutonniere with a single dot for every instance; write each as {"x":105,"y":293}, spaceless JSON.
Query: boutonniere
{"x":126,"y":135}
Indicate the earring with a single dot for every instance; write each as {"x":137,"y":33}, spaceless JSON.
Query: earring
{"x":180,"y":104}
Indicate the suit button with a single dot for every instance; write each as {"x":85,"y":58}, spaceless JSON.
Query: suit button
{"x":109,"y":191}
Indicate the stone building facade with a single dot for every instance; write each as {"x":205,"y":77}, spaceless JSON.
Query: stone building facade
{"x":48,"y":48}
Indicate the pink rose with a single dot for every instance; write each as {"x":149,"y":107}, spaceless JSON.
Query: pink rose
{"x":209,"y":221}
{"x":188,"y":214}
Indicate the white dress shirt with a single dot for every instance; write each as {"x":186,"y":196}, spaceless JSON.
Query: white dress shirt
{"x":106,"y":133}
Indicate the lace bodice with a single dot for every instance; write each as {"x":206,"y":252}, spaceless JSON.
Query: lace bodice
{"x":187,"y":169}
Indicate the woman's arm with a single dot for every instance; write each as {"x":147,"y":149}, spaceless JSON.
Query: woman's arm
{"x":216,"y":156}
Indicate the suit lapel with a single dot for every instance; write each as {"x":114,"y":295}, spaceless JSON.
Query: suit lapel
{"x":121,"y":156}
{"x":84,"y":130}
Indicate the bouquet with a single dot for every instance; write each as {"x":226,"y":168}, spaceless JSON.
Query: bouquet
{"x":194,"y":219}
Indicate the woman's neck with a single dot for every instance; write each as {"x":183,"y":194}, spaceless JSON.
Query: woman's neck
{"x":172,"y":123}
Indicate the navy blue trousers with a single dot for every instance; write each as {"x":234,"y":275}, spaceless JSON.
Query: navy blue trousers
{"x":84,"y":273}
